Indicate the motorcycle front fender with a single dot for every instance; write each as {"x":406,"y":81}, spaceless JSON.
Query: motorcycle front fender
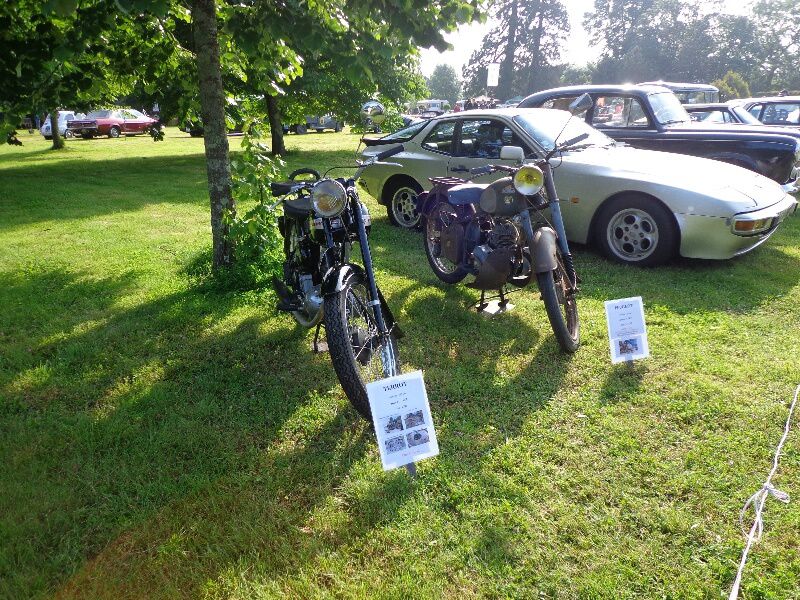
{"x":333,"y":283}
{"x":544,"y":246}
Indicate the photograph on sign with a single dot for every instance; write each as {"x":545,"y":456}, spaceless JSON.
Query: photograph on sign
{"x":402,"y":418}
{"x":627,"y":332}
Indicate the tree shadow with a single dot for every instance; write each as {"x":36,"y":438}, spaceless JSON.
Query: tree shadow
{"x":139,"y":408}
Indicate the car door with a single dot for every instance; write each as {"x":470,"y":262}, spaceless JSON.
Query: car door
{"x":624,"y":118}
{"x":130,"y":124}
{"x":436,"y":150}
{"x":478,"y":144}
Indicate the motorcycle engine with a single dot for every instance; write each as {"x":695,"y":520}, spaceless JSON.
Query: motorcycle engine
{"x":504,"y":234}
{"x":495,"y":261}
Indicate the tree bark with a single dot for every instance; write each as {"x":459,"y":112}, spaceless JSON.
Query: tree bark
{"x":275,"y":125}
{"x":58,"y":141}
{"x":506,"y":88}
{"x":212,"y":103}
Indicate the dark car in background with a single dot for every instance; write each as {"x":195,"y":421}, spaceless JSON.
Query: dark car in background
{"x":651,"y":117}
{"x":778,"y":111}
{"x":720,"y":112}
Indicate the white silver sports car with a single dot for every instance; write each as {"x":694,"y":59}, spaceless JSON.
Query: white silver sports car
{"x":627,"y":201}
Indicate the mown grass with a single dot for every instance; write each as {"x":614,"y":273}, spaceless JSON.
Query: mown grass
{"x":163,"y":439}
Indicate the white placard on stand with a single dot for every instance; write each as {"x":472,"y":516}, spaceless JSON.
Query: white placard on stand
{"x":492,"y":74}
{"x":627,"y":332}
{"x":402,"y":418}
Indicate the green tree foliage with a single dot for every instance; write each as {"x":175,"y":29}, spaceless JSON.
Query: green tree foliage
{"x":443,"y":84}
{"x":732,"y":86}
{"x":52,"y":56}
{"x":690,"y":40}
{"x":526,"y":42}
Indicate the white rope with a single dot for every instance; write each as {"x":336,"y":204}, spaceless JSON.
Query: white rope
{"x":757,"y":501}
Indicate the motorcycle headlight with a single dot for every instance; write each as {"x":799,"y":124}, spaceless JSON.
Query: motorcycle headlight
{"x":329,"y":198}
{"x":528,"y":180}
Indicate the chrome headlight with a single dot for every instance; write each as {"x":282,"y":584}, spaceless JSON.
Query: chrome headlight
{"x":329,"y":198}
{"x":528,"y":180}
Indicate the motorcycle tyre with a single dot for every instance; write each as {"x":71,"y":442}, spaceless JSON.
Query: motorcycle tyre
{"x":569,"y":342}
{"x":341,"y":350}
{"x":451,"y":278}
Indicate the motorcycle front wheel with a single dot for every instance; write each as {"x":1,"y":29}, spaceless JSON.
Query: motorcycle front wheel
{"x":359,"y":353}
{"x":561,"y":306}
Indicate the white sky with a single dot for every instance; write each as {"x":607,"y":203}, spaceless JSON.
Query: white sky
{"x":577,"y":50}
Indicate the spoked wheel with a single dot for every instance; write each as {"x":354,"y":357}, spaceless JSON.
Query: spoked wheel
{"x":561,"y":306}
{"x":433,"y":224}
{"x":358,"y":352}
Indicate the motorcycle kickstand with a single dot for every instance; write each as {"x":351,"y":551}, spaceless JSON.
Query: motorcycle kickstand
{"x":319,"y":347}
{"x":503,"y":302}
{"x":482,"y":304}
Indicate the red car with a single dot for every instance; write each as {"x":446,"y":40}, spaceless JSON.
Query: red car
{"x":113,"y":123}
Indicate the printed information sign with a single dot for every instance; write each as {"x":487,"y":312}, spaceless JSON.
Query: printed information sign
{"x":627,"y":332}
{"x":402,"y":418}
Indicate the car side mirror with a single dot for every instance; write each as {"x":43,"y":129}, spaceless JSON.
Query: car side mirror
{"x":514,"y":153}
{"x":580,"y":104}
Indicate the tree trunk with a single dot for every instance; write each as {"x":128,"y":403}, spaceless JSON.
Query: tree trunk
{"x":58,"y":141}
{"x":275,"y":125}
{"x":212,"y":103}
{"x":506,"y":87}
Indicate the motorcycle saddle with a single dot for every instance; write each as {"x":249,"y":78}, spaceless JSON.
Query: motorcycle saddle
{"x":467,"y":193}
{"x":298,"y":208}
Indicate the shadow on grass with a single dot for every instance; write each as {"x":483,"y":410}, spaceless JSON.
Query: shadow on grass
{"x":139,"y":409}
{"x":73,"y":188}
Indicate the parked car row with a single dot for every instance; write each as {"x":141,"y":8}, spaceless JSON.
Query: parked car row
{"x":651,"y":117}
{"x":109,"y":122}
{"x":642,"y":202}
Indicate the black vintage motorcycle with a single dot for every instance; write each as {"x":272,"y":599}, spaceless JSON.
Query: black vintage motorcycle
{"x":486,"y":230}
{"x":322,"y":218}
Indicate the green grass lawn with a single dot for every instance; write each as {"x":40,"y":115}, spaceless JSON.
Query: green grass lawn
{"x":163,"y":439}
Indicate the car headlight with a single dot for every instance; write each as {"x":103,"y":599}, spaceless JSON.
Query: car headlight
{"x":329,"y":198}
{"x":751,"y":227}
{"x":528,"y":180}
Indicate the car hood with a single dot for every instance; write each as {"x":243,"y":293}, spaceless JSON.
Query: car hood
{"x":748,"y":190}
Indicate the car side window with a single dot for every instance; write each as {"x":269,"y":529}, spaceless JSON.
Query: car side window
{"x":563,"y":103}
{"x":755,"y":110}
{"x":440,"y":139}
{"x":483,"y":138}
{"x":619,"y":111}
{"x":778,"y":114}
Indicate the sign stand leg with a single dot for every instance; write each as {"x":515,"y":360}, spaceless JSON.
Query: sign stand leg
{"x":412,"y":469}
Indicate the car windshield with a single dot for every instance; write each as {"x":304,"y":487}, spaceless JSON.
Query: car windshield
{"x":668,"y":109}
{"x":405,"y":134}
{"x":546,"y":130}
{"x":99,"y":114}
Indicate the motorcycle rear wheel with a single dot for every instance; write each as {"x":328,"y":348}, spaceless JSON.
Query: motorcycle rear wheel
{"x":561,"y":306}
{"x":358,"y":353}
{"x":432,"y":224}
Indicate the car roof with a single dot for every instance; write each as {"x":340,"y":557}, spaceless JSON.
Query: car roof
{"x":494,"y":112}
{"x":767,"y":99}
{"x":707,"y":106}
{"x":706,"y":87}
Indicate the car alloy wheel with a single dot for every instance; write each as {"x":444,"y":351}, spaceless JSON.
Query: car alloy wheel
{"x":113,"y":132}
{"x":404,"y":207}
{"x":632,"y":234}
{"x":68,"y":134}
